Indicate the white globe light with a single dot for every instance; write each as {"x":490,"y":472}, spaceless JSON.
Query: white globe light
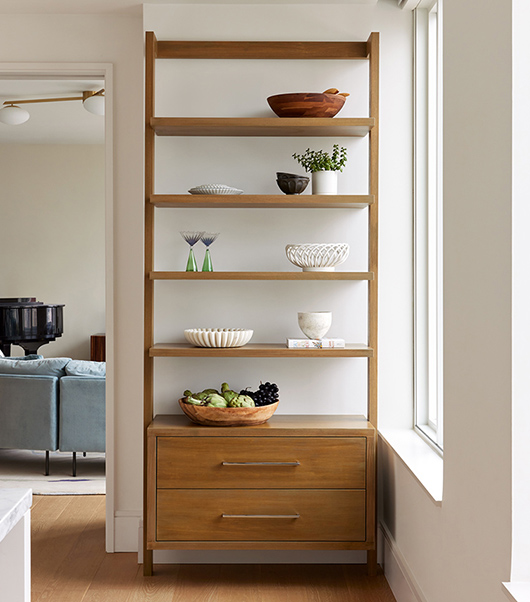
{"x":13,"y":115}
{"x":95,"y":104}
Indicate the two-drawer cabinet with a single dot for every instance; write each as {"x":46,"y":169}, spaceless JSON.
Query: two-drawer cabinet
{"x":292,"y":483}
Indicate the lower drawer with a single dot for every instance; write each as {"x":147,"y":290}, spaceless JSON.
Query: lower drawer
{"x":254,"y":515}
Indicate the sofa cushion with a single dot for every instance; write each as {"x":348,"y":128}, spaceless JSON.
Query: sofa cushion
{"x":82,"y":414}
{"x":29,"y":409}
{"x":85,"y":368}
{"x":50,"y":366}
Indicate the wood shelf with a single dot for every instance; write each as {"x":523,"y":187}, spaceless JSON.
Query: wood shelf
{"x":300,"y":425}
{"x":263,"y":201}
{"x":357,"y":127}
{"x":176,"y":49}
{"x":295,"y":276}
{"x":256,"y":350}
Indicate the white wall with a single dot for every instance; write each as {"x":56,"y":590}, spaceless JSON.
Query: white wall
{"x":461,"y":551}
{"x":255,"y":240}
{"x":118,"y":40}
{"x":53,"y":235}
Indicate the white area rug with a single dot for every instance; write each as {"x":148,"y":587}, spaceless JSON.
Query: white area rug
{"x":23,"y":468}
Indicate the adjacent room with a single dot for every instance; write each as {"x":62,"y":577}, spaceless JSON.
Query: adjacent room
{"x":53,"y":299}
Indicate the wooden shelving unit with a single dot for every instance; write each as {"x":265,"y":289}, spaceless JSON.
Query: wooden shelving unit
{"x":281,"y":478}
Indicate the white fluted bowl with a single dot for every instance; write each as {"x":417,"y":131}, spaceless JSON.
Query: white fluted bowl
{"x":214,"y":189}
{"x":218,"y":337}
{"x":318,"y":257}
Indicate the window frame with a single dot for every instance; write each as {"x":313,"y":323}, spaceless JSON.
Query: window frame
{"x":428,"y":251}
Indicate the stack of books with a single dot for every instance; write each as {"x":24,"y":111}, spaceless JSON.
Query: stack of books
{"x":316,"y":343}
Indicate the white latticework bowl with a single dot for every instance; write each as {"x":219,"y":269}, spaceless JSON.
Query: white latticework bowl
{"x":318,"y":257}
{"x":218,"y":337}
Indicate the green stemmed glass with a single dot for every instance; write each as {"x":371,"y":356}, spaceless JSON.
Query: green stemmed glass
{"x":208,"y":238}
{"x":191,"y":238}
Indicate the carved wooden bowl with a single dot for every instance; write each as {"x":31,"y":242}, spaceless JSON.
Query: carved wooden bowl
{"x":228,"y":416}
{"x":306,"y":104}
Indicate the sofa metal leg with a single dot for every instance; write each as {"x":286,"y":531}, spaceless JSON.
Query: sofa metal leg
{"x":47,"y":464}
{"x":74,"y":465}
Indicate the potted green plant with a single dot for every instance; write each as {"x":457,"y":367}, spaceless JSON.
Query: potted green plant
{"x":324,"y":168}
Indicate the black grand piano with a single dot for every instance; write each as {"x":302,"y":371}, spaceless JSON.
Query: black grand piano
{"x":28,"y":323}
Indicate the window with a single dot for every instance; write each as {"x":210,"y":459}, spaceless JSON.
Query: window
{"x":428,"y":404}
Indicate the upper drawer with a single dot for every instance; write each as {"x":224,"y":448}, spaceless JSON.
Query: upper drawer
{"x":267,"y":462}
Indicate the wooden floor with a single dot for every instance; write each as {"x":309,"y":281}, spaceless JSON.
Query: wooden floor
{"x":69,"y":564}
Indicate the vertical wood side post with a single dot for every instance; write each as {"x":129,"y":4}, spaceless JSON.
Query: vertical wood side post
{"x":373,"y":48}
{"x":150,"y":56}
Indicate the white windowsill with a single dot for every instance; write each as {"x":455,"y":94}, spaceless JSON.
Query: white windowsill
{"x":517,"y":591}
{"x":419,"y":457}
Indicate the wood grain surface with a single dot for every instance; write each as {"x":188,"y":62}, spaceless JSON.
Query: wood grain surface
{"x":226,"y":417}
{"x":257,"y":350}
{"x":295,"y":276}
{"x":280,"y":425}
{"x":183,"y":49}
{"x":260,"y":515}
{"x":356,"y":127}
{"x":282,"y":462}
{"x":263,"y":201}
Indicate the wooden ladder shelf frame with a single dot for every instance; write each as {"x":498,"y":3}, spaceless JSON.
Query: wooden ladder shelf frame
{"x":155,"y":49}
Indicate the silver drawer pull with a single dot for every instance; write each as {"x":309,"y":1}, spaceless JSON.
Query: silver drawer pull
{"x":261,"y":463}
{"x":260,"y":515}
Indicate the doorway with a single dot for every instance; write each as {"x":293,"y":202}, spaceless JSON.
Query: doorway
{"x":60,"y":234}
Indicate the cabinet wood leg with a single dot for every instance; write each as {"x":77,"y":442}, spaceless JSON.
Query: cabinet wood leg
{"x":148,"y":563}
{"x":371,"y":562}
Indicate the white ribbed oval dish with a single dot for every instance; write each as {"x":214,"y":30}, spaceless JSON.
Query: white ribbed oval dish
{"x":318,"y":257}
{"x":214,"y":189}
{"x":218,"y":337}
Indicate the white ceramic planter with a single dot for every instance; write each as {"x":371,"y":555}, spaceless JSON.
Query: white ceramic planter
{"x":324,"y":182}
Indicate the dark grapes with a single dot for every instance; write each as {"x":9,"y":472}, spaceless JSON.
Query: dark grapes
{"x":266,"y":394}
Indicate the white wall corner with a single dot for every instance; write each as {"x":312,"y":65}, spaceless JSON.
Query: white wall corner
{"x":397,"y":571}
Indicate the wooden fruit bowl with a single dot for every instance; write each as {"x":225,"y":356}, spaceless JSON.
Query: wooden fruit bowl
{"x":306,"y":104}
{"x":227,"y":416}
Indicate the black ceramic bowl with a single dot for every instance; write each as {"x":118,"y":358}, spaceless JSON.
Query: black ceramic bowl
{"x":282,"y":175}
{"x":292,"y":185}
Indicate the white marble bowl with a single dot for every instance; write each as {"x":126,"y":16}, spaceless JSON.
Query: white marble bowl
{"x":318,"y":257}
{"x":314,"y":324}
{"x":218,"y":337}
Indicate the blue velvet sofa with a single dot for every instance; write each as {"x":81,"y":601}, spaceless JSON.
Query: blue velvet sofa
{"x":52,"y":404}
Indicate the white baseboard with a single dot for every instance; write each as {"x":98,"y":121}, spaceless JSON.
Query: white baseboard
{"x":397,"y":571}
{"x":126,"y":531}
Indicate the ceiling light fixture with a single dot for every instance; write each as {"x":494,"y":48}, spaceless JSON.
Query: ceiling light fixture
{"x":12,"y":114}
{"x":94,"y":102}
